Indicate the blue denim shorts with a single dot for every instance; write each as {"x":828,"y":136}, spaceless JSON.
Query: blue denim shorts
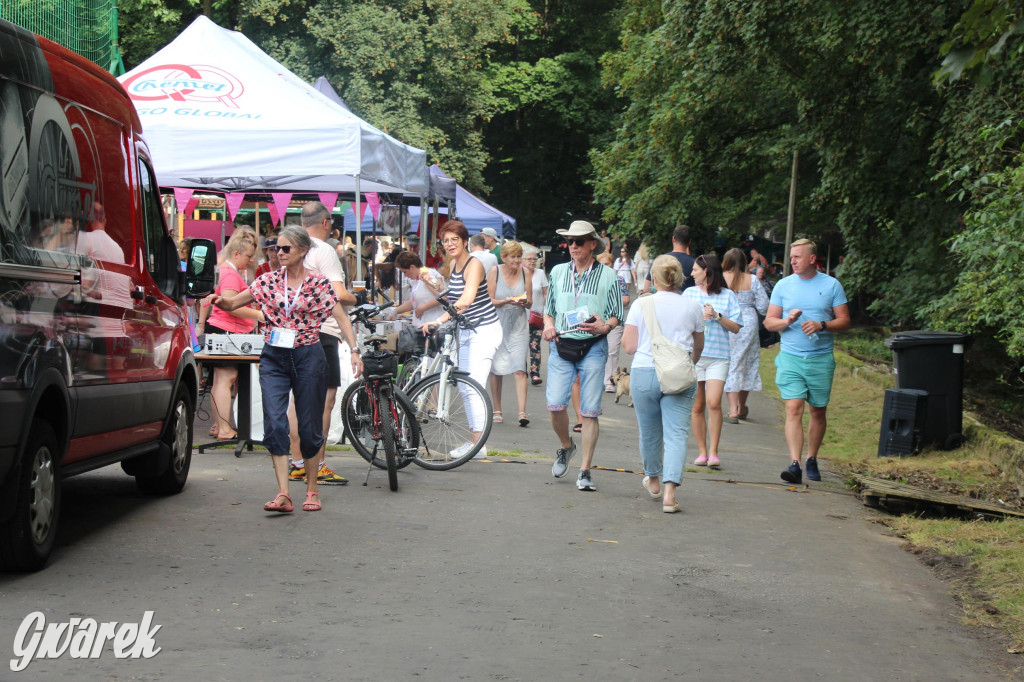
{"x":562,"y":375}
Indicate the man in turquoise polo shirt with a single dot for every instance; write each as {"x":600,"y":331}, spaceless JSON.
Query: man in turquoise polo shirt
{"x":807,"y":308}
{"x":584,"y":304}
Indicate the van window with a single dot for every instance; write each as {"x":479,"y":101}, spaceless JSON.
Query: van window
{"x":156,"y":229}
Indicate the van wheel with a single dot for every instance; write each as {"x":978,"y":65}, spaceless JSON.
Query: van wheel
{"x":178,"y":439}
{"x":26,"y":539}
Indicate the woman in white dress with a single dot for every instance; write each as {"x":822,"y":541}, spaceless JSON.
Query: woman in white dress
{"x":642,"y":260}
{"x":531,"y":255}
{"x":745,"y":346}
{"x":511,"y":290}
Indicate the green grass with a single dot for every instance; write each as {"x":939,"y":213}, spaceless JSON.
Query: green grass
{"x":989,"y":466}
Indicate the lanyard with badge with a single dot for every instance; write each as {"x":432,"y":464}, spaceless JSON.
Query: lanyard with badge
{"x":284,"y":337}
{"x":574,"y":318}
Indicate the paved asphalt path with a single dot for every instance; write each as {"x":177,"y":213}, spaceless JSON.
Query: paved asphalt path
{"x":497,"y":571}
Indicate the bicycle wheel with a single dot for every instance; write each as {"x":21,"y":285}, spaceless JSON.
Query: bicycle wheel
{"x":442,"y":413}
{"x":407,"y":377}
{"x":388,"y":437}
{"x":357,"y":416}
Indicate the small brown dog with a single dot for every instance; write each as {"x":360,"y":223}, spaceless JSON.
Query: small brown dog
{"x":620,"y":378}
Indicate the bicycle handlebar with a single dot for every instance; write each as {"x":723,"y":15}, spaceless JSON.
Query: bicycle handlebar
{"x":458,"y":317}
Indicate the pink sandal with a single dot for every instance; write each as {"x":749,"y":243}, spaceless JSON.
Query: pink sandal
{"x":276,"y":506}
{"x":311,"y":504}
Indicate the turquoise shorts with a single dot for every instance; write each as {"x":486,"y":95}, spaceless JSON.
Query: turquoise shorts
{"x":803,"y":378}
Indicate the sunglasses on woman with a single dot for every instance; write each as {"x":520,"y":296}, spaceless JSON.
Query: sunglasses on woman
{"x":283,"y":249}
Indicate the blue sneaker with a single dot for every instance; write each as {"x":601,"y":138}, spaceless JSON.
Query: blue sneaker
{"x":793,"y":473}
{"x":812,"y":469}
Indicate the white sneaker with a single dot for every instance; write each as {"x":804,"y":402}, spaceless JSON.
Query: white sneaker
{"x":461,"y":450}
{"x":482,"y":454}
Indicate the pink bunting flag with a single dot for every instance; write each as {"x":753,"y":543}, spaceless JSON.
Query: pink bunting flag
{"x":279,"y":205}
{"x":373,"y":201}
{"x":182,"y":195}
{"x":272,"y":210}
{"x":191,"y":205}
{"x":328,"y":199}
{"x":233,"y":202}
{"x":362,"y":212}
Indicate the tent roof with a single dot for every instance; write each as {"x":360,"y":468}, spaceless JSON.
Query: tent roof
{"x":220,"y":114}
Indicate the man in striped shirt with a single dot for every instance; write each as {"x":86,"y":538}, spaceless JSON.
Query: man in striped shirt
{"x":583,"y":305}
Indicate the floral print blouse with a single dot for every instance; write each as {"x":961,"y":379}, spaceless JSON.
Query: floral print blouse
{"x":315,"y":302}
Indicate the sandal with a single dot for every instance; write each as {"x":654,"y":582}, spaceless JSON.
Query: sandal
{"x":536,"y":380}
{"x":275,"y":506}
{"x":310,"y":504}
{"x":497,"y":418}
{"x":744,"y":412}
{"x":231,"y":436}
{"x":524,"y":419}
{"x":578,"y":428}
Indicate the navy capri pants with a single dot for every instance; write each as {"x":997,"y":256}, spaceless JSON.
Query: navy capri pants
{"x":303,"y":371}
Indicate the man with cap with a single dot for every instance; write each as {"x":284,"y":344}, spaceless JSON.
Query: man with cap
{"x":584,"y":305}
{"x":269,"y":263}
{"x":492,"y":245}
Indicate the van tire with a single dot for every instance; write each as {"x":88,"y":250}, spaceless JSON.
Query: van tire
{"x":27,"y":538}
{"x":177,"y":439}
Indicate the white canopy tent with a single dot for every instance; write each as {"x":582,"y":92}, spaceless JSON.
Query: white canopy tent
{"x":220,"y":114}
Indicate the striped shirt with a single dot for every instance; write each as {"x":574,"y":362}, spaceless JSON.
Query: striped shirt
{"x":596,"y":289}
{"x":481,"y":310}
{"x":716,"y":338}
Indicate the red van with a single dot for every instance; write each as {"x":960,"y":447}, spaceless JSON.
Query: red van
{"x":95,"y":361}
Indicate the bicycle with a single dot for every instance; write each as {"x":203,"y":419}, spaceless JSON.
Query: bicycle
{"x":418,"y":366}
{"x":374,"y":412}
{"x":442,"y":402}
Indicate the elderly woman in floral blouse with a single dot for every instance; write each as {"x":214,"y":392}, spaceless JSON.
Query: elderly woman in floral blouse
{"x":295,"y":301}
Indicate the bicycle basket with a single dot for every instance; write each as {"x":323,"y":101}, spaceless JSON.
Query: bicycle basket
{"x":382,"y":364}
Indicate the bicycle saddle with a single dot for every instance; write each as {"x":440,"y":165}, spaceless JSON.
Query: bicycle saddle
{"x":376,"y":338}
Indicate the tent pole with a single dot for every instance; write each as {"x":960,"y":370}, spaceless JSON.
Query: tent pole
{"x":433,"y":234}
{"x":359,"y":235}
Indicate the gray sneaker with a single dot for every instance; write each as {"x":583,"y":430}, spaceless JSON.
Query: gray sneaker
{"x":562,"y":457}
{"x":584,"y":482}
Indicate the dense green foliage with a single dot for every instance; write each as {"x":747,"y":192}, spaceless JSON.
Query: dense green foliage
{"x":906,"y":115}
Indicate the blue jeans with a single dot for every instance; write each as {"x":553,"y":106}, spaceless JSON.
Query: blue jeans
{"x":664,"y":422}
{"x":562,"y":375}
{"x":303,"y":371}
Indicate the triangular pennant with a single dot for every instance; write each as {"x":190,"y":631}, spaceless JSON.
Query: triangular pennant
{"x":272,"y":210}
{"x":181,"y":198}
{"x":373,"y":201}
{"x":328,"y":199}
{"x":191,"y":205}
{"x":362,"y":213}
{"x":280,"y":203}
{"x":233,"y":202}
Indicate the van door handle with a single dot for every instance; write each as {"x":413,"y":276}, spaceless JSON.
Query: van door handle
{"x":151,"y":299}
{"x":137,"y":294}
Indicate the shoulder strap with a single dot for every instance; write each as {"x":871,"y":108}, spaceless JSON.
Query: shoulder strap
{"x":650,"y":318}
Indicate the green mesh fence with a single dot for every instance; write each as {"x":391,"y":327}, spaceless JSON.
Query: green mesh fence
{"x":89,"y":27}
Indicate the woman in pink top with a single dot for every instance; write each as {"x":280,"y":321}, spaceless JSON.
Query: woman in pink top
{"x":239,"y":253}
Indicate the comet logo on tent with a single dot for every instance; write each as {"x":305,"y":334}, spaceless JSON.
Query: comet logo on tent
{"x":185,"y":83}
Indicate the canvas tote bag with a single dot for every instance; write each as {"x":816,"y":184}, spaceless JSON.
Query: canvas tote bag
{"x":672,"y":362}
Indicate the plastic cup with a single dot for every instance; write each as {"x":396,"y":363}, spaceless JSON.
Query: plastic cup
{"x":358,"y":285}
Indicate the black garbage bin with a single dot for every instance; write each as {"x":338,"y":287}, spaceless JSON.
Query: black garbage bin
{"x":934,"y":362}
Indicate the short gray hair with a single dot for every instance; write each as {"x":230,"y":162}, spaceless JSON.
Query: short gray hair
{"x":313,"y":214}
{"x":478,"y":240}
{"x":297,"y":236}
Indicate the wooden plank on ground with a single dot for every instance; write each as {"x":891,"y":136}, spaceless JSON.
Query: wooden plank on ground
{"x":878,"y":490}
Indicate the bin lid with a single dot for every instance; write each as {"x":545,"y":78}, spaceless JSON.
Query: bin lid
{"x":926,"y":338}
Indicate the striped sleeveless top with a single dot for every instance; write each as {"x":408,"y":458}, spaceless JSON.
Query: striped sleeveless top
{"x":481,"y":311}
